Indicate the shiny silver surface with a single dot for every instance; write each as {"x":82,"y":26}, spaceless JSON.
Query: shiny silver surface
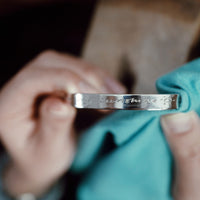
{"x":125,"y":101}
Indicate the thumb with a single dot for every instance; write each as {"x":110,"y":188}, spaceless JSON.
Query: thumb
{"x":56,"y":118}
{"x":183,"y":134}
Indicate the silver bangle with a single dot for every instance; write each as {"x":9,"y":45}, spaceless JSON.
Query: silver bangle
{"x":125,"y":101}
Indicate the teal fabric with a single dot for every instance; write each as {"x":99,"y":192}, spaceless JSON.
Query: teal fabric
{"x":138,"y":165}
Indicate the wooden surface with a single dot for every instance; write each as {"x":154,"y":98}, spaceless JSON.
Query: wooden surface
{"x":147,"y":37}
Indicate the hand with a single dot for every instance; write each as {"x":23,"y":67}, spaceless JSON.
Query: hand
{"x":36,"y":121}
{"x":183,"y":134}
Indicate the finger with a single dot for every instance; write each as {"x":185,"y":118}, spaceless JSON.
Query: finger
{"x":27,"y":87}
{"x":56,"y":118}
{"x":32,"y":82}
{"x":90,"y":73}
{"x":55,"y":132}
{"x":183,"y":134}
{"x":112,"y":83}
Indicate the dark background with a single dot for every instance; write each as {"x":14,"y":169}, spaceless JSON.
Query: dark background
{"x":62,"y":26}
{"x":26,"y":32}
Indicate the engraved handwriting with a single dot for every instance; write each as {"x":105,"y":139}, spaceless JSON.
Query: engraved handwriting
{"x":130,"y":100}
{"x":134,"y":101}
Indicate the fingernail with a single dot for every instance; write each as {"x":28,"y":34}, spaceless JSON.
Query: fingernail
{"x":100,"y":87}
{"x":86,"y":88}
{"x":179,"y":123}
{"x":58,"y":109}
{"x":96,"y":83}
{"x":71,"y":88}
{"x":113,"y":85}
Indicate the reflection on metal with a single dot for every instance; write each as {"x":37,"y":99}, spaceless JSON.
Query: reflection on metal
{"x":125,"y":101}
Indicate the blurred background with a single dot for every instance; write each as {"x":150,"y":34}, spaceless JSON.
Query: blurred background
{"x":27,"y":27}
{"x":135,"y":40}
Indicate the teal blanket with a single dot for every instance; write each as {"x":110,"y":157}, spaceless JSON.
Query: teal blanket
{"x":125,"y":156}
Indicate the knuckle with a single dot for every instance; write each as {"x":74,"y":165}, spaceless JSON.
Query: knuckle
{"x":47,"y":53}
{"x":71,"y":112}
{"x":93,"y":74}
{"x":191,"y":152}
{"x":73,"y":84}
{"x":89,"y":70}
{"x":45,"y":56}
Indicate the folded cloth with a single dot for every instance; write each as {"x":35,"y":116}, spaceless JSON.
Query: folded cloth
{"x":125,"y":156}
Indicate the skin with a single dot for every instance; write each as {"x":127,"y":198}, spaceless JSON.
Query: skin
{"x":182,"y":132}
{"x":42,"y":146}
